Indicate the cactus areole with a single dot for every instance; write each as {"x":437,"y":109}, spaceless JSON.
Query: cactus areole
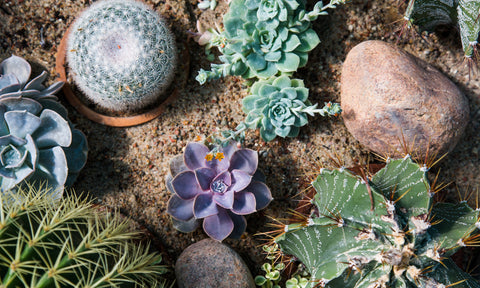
{"x":405,"y":241}
{"x":121,"y":54}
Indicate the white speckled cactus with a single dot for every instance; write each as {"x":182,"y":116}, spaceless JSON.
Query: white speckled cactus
{"x":383,"y":232}
{"x":121,"y":54}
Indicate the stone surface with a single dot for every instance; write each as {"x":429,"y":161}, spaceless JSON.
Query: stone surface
{"x":388,"y":95}
{"x":211,"y":264}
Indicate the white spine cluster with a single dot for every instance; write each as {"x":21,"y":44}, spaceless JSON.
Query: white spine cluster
{"x":121,"y":54}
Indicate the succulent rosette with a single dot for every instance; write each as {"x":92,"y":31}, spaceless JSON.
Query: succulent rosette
{"x":219,"y":186}
{"x":37,"y":142}
{"x":263,"y":38}
{"x":279,"y":107}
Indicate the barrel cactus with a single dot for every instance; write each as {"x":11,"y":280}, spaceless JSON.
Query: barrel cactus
{"x":219,"y":185}
{"x":381,"y":230}
{"x":427,"y":14}
{"x":51,"y":242}
{"x":37,"y":141}
{"x":121,"y":54}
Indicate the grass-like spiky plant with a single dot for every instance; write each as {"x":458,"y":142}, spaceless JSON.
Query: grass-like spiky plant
{"x":381,"y":230}
{"x":48,"y":242}
{"x":428,"y":14}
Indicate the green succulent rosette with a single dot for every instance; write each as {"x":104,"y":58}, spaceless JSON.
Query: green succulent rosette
{"x":264,"y":38}
{"x":279,"y":107}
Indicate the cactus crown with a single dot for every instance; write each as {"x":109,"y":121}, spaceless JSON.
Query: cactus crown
{"x":50,"y":242}
{"x":122,"y":54}
{"x":397,"y":238}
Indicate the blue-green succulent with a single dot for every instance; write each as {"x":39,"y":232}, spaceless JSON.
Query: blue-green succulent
{"x":279,"y":107}
{"x":37,"y":141}
{"x":265,"y":38}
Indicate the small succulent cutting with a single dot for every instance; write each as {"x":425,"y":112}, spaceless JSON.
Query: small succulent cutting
{"x":428,"y":14}
{"x":382,"y":230}
{"x":122,"y":54}
{"x":279,"y":107}
{"x":37,"y":141}
{"x":219,"y":185}
{"x":46,"y":242}
{"x":264,"y":38}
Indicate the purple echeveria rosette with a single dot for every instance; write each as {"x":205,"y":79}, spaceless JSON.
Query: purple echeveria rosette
{"x":219,"y":191}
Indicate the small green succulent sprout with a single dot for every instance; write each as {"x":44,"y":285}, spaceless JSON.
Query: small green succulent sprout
{"x":428,"y":14}
{"x":272,"y":271}
{"x":297,"y":282}
{"x":121,"y":54}
{"x":382,"y":230}
{"x":205,"y":4}
{"x":279,"y":107}
{"x":265,"y":38}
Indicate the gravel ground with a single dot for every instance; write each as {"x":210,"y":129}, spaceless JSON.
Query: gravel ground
{"x":126,"y":167}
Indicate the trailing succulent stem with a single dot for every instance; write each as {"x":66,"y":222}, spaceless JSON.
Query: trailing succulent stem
{"x":51,"y":242}
{"x":402,"y":240}
{"x":427,"y":14}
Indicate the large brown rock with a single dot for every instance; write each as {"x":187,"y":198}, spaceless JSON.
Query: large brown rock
{"x":211,"y":264}
{"x":387,"y":93}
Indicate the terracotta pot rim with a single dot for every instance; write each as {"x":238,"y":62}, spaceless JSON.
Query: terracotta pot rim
{"x":82,"y":108}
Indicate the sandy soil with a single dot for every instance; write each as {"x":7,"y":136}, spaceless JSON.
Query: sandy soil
{"x":126,"y":167}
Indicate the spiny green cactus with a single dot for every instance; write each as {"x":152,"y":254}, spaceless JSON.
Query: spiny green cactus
{"x":381,"y":231}
{"x":51,"y":242}
{"x":427,"y":14}
{"x":122,"y":55}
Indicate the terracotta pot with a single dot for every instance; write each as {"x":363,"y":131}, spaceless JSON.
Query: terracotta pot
{"x":115,"y":121}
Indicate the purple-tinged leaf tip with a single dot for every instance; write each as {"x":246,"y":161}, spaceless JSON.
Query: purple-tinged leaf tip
{"x":218,"y":226}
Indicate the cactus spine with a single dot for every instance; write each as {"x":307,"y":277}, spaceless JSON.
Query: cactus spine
{"x":404,"y":241}
{"x":51,"y":242}
{"x":121,"y":54}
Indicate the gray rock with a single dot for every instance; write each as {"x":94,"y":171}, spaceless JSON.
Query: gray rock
{"x":387,"y":93}
{"x":211,"y":264}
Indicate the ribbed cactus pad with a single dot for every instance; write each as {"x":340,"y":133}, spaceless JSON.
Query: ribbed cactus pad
{"x":428,"y":14}
{"x":404,"y":241}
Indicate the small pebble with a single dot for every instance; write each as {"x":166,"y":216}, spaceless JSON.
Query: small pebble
{"x":386,"y":92}
{"x":211,"y":264}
